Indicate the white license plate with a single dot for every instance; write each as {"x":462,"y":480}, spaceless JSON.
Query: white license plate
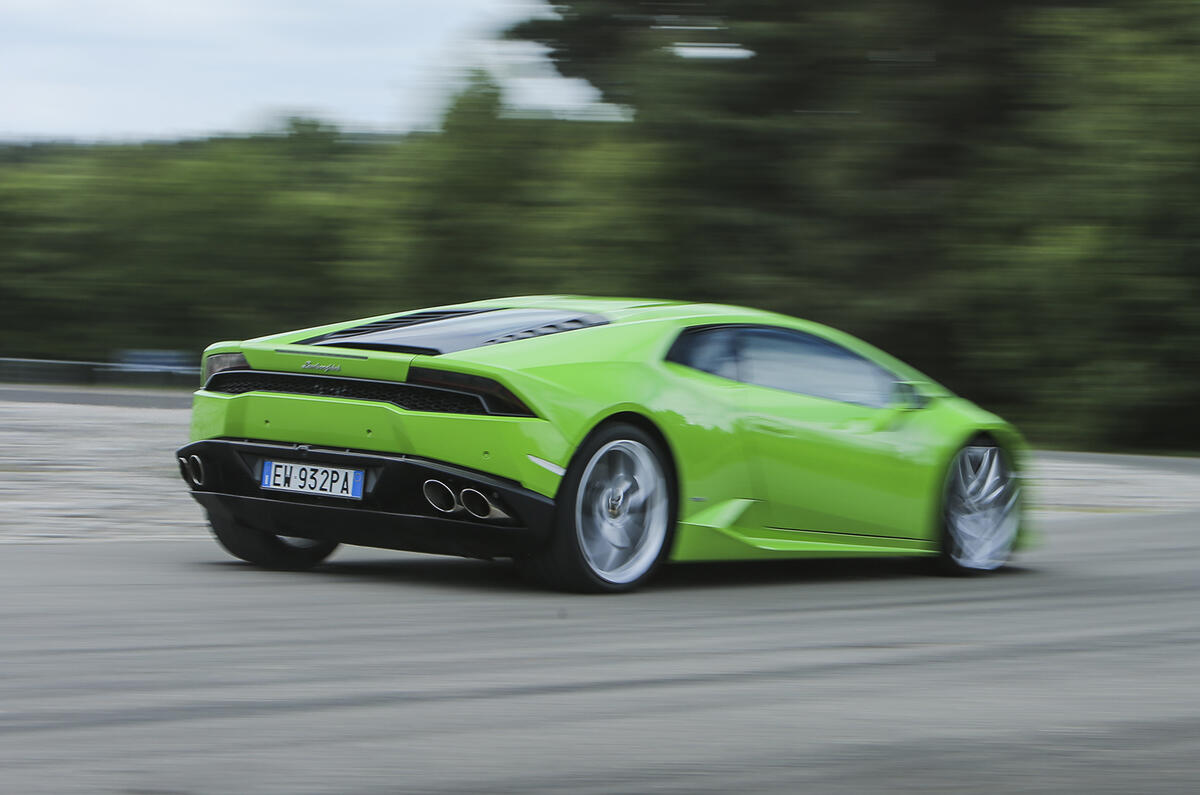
{"x":312,"y":479}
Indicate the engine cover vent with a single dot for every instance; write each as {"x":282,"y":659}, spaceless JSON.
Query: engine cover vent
{"x":389,"y":323}
{"x":436,"y":333}
{"x":570,"y":324}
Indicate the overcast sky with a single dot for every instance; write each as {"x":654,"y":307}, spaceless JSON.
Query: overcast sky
{"x":137,"y":69}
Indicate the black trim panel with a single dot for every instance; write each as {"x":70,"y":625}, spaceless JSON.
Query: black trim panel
{"x":473,"y":395}
{"x":498,"y":398}
{"x":393,"y":513}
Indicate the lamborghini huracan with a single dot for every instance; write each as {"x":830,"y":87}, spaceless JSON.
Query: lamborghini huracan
{"x":593,"y":439}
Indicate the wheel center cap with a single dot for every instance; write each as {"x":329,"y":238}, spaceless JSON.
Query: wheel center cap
{"x":616,"y":502}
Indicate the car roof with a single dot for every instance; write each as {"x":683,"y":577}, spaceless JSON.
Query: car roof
{"x":588,"y":314}
{"x":681,"y":314}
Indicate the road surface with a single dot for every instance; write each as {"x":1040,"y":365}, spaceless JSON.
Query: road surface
{"x":154,"y":664}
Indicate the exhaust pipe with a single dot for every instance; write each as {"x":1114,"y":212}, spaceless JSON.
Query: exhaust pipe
{"x":440,"y":496}
{"x":479,"y":506}
{"x":183,"y":469}
{"x":195,"y":469}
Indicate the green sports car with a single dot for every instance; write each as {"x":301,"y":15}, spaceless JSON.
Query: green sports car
{"x":592,"y":439}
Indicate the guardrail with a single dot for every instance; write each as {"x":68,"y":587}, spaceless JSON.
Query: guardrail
{"x":63,"y":371}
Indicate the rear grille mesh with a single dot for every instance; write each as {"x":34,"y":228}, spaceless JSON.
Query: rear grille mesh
{"x":406,"y":396}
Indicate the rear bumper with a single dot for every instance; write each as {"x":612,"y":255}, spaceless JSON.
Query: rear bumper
{"x":393,"y":513}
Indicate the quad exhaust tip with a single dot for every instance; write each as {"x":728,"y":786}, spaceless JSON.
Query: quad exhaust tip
{"x":440,"y":496}
{"x":194,"y":468}
{"x":473,"y":501}
{"x":479,"y":506}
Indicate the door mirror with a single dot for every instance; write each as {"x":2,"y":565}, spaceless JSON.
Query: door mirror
{"x":906,"y":395}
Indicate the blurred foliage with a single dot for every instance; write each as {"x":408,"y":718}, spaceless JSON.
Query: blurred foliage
{"x":1001,"y":193}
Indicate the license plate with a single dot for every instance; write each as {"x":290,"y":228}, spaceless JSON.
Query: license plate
{"x":312,"y":479}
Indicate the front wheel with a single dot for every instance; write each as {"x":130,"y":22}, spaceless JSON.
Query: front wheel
{"x":982,"y":510}
{"x":615,"y":515}
{"x":268,"y":550}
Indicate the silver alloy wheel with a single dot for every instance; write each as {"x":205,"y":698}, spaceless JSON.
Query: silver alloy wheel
{"x":982,"y":508}
{"x":621,"y":511}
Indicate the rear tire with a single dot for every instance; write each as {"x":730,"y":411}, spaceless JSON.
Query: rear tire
{"x":615,"y":515}
{"x":268,"y":550}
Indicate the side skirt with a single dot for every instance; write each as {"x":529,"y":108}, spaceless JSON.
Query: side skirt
{"x":697,"y":542}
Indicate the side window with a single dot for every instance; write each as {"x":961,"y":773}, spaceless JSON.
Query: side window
{"x":799,"y":362}
{"x":711,"y":350}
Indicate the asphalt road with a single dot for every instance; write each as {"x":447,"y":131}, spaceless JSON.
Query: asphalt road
{"x":159,"y":666}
